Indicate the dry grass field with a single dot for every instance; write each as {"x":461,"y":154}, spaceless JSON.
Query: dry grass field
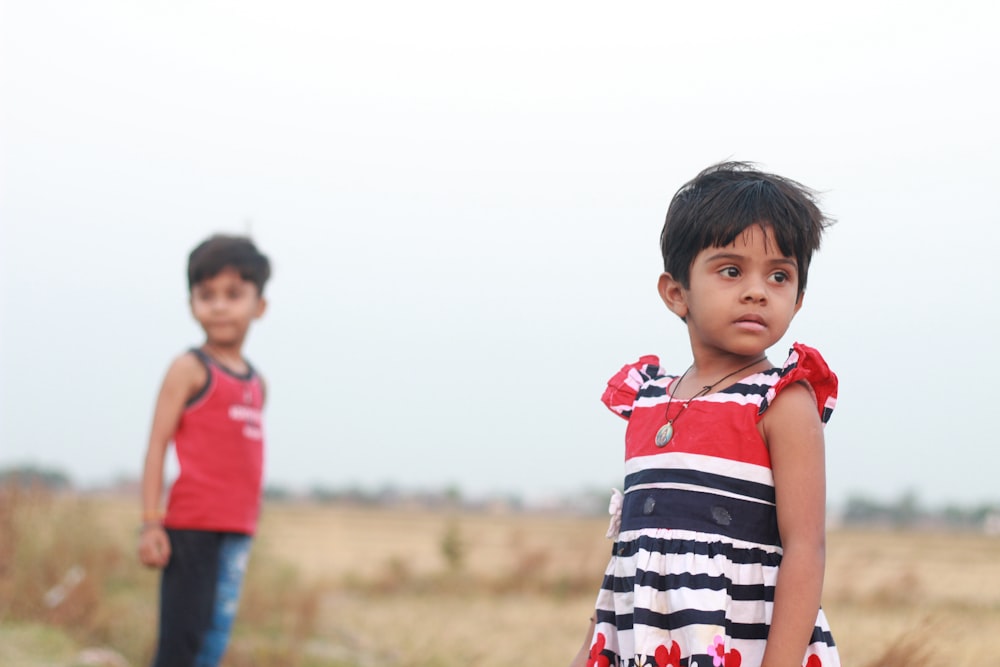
{"x":343,"y":586}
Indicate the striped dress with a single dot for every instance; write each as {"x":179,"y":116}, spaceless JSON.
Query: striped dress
{"x":693,"y":568}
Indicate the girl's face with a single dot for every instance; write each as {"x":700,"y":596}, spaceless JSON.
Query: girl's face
{"x":741,"y":298}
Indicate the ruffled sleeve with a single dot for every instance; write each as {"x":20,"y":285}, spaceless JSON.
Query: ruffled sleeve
{"x":805,"y":363}
{"x":624,"y":385}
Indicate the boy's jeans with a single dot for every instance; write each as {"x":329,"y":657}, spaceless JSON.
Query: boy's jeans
{"x":199,"y":594}
{"x":233,"y":555}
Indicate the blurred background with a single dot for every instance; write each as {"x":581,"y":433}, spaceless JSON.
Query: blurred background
{"x":462,"y":204}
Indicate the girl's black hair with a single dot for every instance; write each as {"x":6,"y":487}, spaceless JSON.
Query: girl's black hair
{"x":221,"y":251}
{"x":718,"y":204}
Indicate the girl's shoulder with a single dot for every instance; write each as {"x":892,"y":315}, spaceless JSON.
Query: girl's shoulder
{"x":623,"y":387}
{"x":646,"y":378}
{"x":804,"y":364}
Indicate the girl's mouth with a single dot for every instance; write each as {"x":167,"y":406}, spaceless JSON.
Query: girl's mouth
{"x":751,"y":323}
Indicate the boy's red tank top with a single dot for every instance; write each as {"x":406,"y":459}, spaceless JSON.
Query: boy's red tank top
{"x":220,"y":449}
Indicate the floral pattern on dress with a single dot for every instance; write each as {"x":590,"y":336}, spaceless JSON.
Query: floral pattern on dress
{"x":597,"y":657}
{"x":671,"y":657}
{"x":668,"y":657}
{"x":721,"y":657}
{"x":615,"y":510}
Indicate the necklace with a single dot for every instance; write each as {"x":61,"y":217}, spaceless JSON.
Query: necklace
{"x":666,"y":431}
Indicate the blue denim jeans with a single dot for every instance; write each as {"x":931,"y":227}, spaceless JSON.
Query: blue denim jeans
{"x":199,"y":595}
{"x":233,"y":555}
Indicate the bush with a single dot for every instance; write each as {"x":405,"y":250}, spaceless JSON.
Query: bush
{"x":67,"y":568}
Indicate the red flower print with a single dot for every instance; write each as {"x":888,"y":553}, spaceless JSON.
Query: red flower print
{"x":722,"y":658}
{"x":814,"y":661}
{"x":718,"y":651}
{"x":668,"y":658}
{"x":598,"y":659}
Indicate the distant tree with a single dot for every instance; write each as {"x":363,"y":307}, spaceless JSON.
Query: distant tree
{"x":906,"y":511}
{"x":954,"y":515}
{"x":323,"y":494}
{"x":34,"y":477}
{"x":453,"y":494}
{"x":276,"y":493}
{"x":453,"y":546}
{"x":864,"y":510}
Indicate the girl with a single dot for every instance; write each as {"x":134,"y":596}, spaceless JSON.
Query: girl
{"x":719,"y":552}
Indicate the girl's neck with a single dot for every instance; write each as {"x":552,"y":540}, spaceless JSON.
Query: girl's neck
{"x":718,"y":374}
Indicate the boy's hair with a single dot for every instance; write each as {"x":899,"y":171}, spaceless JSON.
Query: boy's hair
{"x":220,"y":252}
{"x":718,"y":204}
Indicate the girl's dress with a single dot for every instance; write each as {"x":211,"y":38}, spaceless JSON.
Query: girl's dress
{"x":692,"y":573}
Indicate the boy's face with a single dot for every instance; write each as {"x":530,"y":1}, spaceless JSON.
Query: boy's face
{"x":741,"y":298}
{"x":225,"y":305}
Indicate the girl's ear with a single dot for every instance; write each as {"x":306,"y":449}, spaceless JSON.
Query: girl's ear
{"x":673,"y":294}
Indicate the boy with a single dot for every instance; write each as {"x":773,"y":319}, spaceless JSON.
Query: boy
{"x":209,"y":406}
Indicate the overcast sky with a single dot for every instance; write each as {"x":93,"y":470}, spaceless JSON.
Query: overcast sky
{"x":462,"y":202}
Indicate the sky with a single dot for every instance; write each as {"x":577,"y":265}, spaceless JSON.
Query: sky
{"x":462,"y":203}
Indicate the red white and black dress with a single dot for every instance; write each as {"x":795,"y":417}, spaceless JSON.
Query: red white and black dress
{"x":693,"y":569}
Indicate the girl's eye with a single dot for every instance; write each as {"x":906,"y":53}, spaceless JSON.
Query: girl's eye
{"x":730,"y":272}
{"x":780,"y":277}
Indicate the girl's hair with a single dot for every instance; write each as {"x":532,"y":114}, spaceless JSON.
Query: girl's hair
{"x":220,"y":252}
{"x":718,"y":204}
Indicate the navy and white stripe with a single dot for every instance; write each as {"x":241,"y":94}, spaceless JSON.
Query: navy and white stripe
{"x":696,"y":559}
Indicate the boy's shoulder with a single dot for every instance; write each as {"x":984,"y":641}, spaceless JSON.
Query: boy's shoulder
{"x":188,"y":360}
{"x":187,"y":373}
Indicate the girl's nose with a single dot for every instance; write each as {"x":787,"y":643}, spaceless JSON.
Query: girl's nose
{"x":754,"y":292}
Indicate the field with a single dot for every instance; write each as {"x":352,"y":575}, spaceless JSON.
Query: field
{"x":347,"y":586}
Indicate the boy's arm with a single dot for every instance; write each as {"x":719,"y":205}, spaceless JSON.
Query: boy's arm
{"x":184,"y":379}
{"x":794,"y":435}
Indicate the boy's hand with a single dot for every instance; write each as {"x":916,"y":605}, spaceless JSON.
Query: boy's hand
{"x":154,"y":547}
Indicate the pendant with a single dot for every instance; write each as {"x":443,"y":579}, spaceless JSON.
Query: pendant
{"x":664,"y":434}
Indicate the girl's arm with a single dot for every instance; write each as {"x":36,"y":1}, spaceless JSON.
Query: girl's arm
{"x":580,"y":660}
{"x":184,"y":378}
{"x":794,"y":435}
